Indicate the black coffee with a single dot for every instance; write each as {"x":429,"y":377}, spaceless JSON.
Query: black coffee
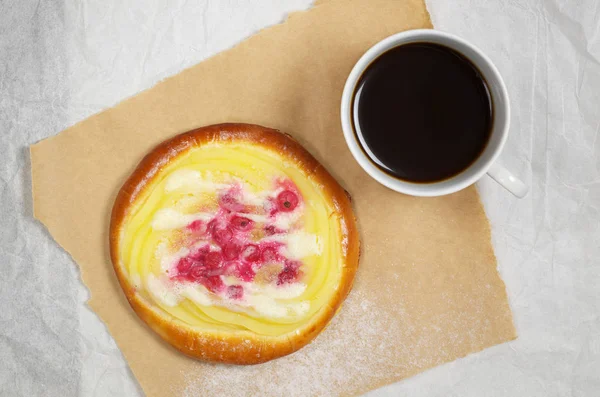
{"x":422,"y":112}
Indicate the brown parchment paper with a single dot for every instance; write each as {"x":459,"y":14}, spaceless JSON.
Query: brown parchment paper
{"x":427,"y":291}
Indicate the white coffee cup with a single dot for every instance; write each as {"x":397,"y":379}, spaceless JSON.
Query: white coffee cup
{"x":486,"y":163}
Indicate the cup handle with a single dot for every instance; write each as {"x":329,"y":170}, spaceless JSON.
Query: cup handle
{"x":508,"y":180}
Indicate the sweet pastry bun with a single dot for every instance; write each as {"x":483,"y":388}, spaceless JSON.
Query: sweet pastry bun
{"x":233,"y":243}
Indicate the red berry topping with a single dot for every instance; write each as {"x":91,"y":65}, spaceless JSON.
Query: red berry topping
{"x":222,"y":236}
{"x":251,"y":253}
{"x":235,"y":292}
{"x":243,"y":271}
{"x":287,"y":275}
{"x":287,"y":201}
{"x":241,"y":223}
{"x":213,"y":284}
{"x":195,"y":226}
{"x":290,"y":273}
{"x":271,"y":230}
{"x":184,"y":265}
{"x":211,"y":226}
{"x":213,"y":259}
{"x":230,"y":203}
{"x":200,"y":253}
{"x":197,"y":272}
{"x":269,"y":254}
{"x":218,"y":271}
{"x":231,"y":251}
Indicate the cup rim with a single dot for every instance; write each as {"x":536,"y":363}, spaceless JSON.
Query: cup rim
{"x":440,"y":188}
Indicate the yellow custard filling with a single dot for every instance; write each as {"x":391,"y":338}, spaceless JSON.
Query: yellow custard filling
{"x":234,"y":237}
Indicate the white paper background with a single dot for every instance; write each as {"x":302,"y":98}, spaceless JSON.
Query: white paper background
{"x":62,"y":61}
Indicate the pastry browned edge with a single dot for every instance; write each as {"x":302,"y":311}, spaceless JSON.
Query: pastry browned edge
{"x":241,"y":347}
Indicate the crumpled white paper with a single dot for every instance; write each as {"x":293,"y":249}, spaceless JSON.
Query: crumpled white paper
{"x":63,"y":61}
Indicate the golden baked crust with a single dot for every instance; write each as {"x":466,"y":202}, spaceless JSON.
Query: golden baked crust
{"x":239,"y":346}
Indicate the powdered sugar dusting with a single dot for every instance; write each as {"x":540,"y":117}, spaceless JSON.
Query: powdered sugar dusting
{"x":375,"y":339}
{"x":315,"y":369}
